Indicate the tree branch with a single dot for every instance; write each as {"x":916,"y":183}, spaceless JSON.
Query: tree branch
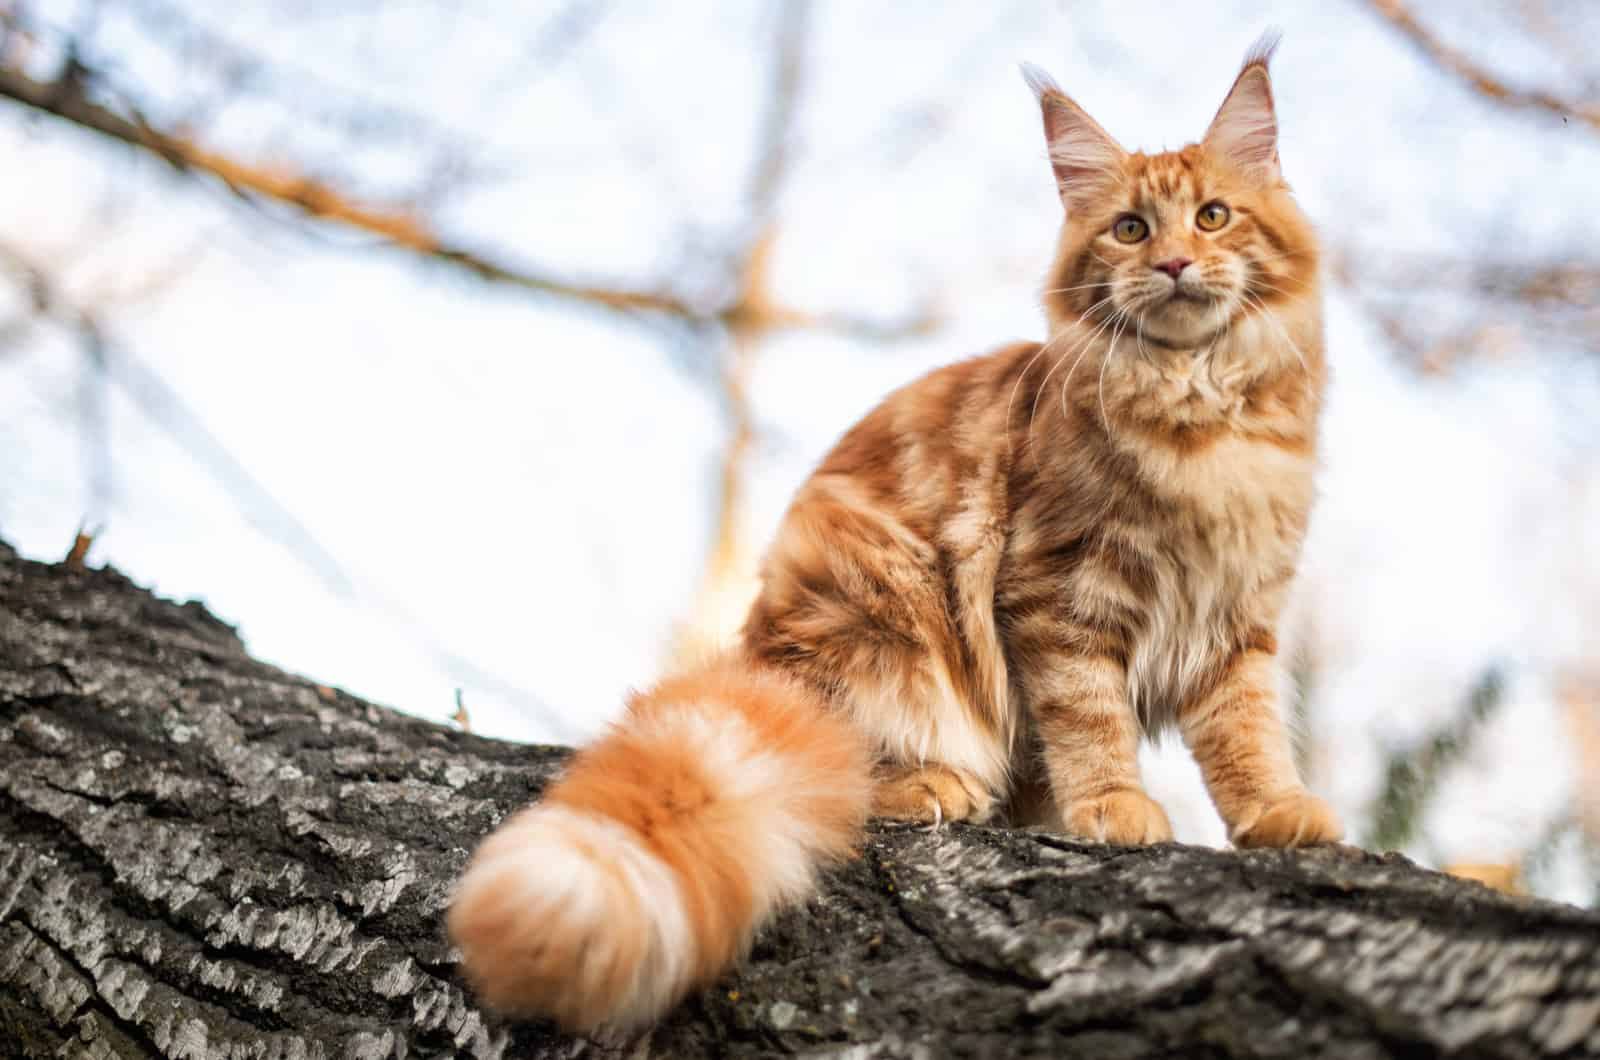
{"x":1399,"y":15}
{"x":259,"y":506}
{"x":201,"y":855}
{"x":67,"y":98}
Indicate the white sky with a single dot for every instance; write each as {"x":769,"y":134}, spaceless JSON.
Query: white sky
{"x":520,"y":495}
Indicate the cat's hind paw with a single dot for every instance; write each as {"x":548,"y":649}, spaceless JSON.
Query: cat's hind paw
{"x":931,"y":795}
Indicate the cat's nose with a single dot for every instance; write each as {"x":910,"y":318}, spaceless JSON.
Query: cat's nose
{"x":1173,"y":266}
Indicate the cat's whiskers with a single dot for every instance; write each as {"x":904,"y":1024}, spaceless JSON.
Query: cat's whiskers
{"x":1138,"y":334}
{"x":1272,"y":318}
{"x":1278,"y":257}
{"x":1119,"y":315}
{"x":1211,"y":362}
{"x":1104,"y":262}
{"x":1110,"y":352}
{"x":1261,"y":284}
{"x":1034,"y":410}
{"x":1079,"y":287}
{"x":1012,"y":397}
{"x":1082,"y":350}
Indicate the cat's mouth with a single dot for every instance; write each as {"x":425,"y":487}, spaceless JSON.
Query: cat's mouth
{"x":1180,"y":298}
{"x":1179,"y":314}
{"x":1194,"y":291}
{"x":1180,"y":317}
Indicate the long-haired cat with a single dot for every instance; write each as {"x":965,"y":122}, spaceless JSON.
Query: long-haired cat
{"x":993,"y":586}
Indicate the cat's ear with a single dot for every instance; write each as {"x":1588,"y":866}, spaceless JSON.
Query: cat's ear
{"x":1084,"y":156}
{"x":1245,"y":130}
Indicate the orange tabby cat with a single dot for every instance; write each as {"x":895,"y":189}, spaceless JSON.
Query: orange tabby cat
{"x":992,"y":587}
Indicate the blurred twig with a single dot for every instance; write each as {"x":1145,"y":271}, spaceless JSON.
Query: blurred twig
{"x":1413,"y":776}
{"x":167,"y":409}
{"x":739,"y":314}
{"x":1484,"y":82}
{"x":1510,"y":298}
{"x":562,"y":32}
{"x":1562,"y":841}
{"x":240,"y":71}
{"x":1580,"y":702}
{"x":82,"y":541}
{"x":1564,"y":283}
{"x":728,"y":581}
{"x":67,"y":97}
{"x":719,"y":599}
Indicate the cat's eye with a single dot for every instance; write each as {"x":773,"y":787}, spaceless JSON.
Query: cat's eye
{"x":1130,"y":229}
{"x":1212,"y":216}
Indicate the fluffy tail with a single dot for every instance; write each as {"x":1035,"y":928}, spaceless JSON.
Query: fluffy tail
{"x":647,"y":867}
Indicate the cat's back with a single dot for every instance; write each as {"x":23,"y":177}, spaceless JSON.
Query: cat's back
{"x":931,"y":447}
{"x":935,"y":422}
{"x":879,"y":584}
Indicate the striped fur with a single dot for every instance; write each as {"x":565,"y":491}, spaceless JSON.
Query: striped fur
{"x":995,"y":586}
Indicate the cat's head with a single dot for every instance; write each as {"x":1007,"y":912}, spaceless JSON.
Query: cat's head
{"x":1175,"y":247}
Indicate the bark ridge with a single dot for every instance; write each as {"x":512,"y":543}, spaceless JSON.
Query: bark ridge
{"x":204,"y":856}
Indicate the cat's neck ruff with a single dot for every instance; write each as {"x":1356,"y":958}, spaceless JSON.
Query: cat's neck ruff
{"x":1123,"y":375}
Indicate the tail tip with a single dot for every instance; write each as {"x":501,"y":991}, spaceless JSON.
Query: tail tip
{"x":566,"y":915}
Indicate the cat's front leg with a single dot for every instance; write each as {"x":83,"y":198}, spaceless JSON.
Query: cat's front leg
{"x":1089,"y":740}
{"x":1239,"y":738}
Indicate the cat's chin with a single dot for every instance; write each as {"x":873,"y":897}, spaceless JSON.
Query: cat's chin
{"x":1182,"y":321}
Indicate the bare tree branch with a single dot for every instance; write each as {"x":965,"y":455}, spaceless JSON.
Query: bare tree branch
{"x":1486,"y":83}
{"x":197,"y":43}
{"x":66,"y":97}
{"x":728,"y":582}
{"x":1580,"y":702}
{"x":777,"y":127}
{"x":1411,"y":777}
{"x":1513,"y":300}
{"x":168,"y":410}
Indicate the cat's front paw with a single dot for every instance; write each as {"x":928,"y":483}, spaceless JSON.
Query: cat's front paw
{"x":1297,"y":820}
{"x":1126,"y":818}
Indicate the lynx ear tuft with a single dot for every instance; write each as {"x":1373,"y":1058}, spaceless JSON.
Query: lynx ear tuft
{"x":1039,"y":82}
{"x":1262,"y":51}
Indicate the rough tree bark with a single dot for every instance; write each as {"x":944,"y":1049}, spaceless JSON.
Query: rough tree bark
{"x":204,"y":856}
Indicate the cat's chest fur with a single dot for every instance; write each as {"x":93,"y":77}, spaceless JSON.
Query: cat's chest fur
{"x":1218,"y":565}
